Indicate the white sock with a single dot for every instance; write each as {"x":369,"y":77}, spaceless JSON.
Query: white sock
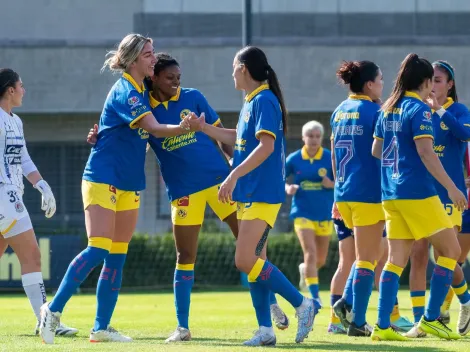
{"x":267,"y":330}
{"x":302,"y":305}
{"x":35,"y":290}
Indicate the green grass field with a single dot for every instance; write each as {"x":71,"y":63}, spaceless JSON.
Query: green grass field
{"x":220,"y":321}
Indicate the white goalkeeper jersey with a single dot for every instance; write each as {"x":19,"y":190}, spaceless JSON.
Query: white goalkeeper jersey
{"x":14,"y":155}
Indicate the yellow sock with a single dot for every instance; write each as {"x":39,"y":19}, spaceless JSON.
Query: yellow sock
{"x":395,"y":314}
{"x":448,"y":301}
{"x":333,"y":318}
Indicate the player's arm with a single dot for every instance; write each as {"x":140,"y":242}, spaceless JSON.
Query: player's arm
{"x":264,"y":149}
{"x":460,"y":127}
{"x":290,"y":187}
{"x":151,"y":125}
{"x":226,"y":148}
{"x":377,"y":147}
{"x":227,"y":136}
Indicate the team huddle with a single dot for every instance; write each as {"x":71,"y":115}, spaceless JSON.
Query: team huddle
{"x":382,"y":173}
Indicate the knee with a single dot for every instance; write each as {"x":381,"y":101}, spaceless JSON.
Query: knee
{"x":185,"y":256}
{"x":33,"y":260}
{"x":244,"y":262}
{"x":309,"y":256}
{"x":321,"y":261}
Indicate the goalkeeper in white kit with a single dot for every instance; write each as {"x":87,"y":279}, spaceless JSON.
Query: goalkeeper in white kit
{"x":16,"y":229}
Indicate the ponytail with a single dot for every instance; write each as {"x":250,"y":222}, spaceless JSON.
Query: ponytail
{"x":276,"y":89}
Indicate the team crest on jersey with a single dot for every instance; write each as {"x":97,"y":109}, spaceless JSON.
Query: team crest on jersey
{"x":182,"y":213}
{"x":113,"y":199}
{"x":427,"y":115}
{"x":444,"y":127}
{"x":246,"y":116}
{"x":133,"y":102}
{"x":322,"y":172}
{"x":183,"y":201}
{"x":19,"y":207}
{"x":184,"y":113}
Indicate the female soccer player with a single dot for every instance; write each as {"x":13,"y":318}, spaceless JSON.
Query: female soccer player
{"x":312,"y":191}
{"x":451,"y":126}
{"x":192,"y":167}
{"x":16,"y":229}
{"x":112,"y":181}
{"x":404,"y":143}
{"x":257,"y":183}
{"x":352,"y":125}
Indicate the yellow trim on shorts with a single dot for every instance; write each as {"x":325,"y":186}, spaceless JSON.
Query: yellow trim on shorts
{"x":418,"y":301}
{"x":100,"y":242}
{"x":460,"y":290}
{"x":256,"y":270}
{"x":9,"y":227}
{"x":362,"y":264}
{"x":393,"y":268}
{"x":447,"y":263}
{"x":119,"y":248}
{"x":186,"y":267}
{"x":311,"y":281}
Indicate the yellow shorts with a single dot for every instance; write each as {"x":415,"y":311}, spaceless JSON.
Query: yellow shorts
{"x":454,"y":214}
{"x":414,"y":219}
{"x":262,"y":211}
{"x":109,"y":197}
{"x":360,"y":214}
{"x":189,"y":210}
{"x":321,"y":228}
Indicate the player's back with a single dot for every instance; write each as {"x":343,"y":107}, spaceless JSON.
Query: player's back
{"x":404,"y":175}
{"x":357,"y":171}
{"x":118,"y":158}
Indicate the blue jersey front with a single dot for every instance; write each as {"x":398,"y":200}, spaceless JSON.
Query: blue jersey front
{"x":312,"y":200}
{"x":451,"y":131}
{"x":357,"y":171}
{"x":190,"y":162}
{"x":404,"y":175}
{"x":261,"y":113}
{"x":118,"y":157}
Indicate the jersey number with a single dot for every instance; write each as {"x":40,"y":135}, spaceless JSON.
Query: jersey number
{"x":390,"y":157}
{"x":13,"y":196}
{"x":348,"y":145}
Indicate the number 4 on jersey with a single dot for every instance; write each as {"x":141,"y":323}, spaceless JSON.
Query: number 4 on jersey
{"x":390,"y":157}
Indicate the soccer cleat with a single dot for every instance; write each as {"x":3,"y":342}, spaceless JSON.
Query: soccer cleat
{"x":463,"y":324}
{"x":438,"y":328}
{"x":108,"y":335}
{"x":445,"y":316}
{"x":302,"y":284}
{"x":343,"y":311}
{"x":279,"y":317}
{"x":359,"y":331}
{"x":415,"y":332}
{"x":49,"y":323}
{"x":62,"y":330}
{"x":389,"y":334}
{"x":337,"y":328}
{"x":180,"y":334}
{"x":402,"y":324}
{"x":261,"y":339}
{"x":306,"y":316}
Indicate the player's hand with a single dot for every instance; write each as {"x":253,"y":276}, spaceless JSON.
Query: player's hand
{"x":197,"y":122}
{"x":335,"y":212}
{"x":292,"y":189}
{"x":467,"y":182}
{"x":92,"y":137}
{"x":184,"y":124}
{"x":226,"y":188}
{"x":432,"y":102}
{"x":458,"y":198}
{"x":48,"y":201}
{"x":327,"y":183}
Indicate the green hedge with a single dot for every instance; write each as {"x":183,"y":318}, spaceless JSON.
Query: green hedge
{"x":151,"y":261}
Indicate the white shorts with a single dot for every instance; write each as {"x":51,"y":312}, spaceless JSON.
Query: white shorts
{"x":14,"y":218}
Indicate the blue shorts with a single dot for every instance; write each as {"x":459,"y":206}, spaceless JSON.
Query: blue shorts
{"x":465,"y":222}
{"x":344,"y":232}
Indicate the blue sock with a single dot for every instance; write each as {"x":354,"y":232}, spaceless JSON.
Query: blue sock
{"x":334,"y":299}
{"x":268,"y":274}
{"x":260,"y":297}
{"x":182,"y":285}
{"x":362,"y":289}
{"x":461,"y":290}
{"x":348,"y":289}
{"x":78,"y":270}
{"x":440,"y":282}
{"x":389,"y":283}
{"x":417,"y":304}
{"x":312,"y":284}
{"x":109,"y":284}
{"x":272,"y":298}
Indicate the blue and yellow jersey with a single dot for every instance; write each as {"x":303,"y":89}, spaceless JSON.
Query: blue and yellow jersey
{"x":190,"y":162}
{"x":404,"y":175}
{"x":311,"y":201}
{"x":261,"y":113}
{"x":451,"y":132}
{"x":357,"y":171}
{"x":118,"y":157}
